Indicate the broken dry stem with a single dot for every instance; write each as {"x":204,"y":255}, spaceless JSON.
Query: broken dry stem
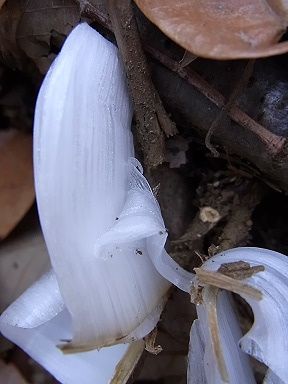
{"x":151,"y":117}
{"x":232,"y":101}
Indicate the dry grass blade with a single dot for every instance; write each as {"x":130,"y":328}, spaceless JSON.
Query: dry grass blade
{"x":219,"y":280}
{"x":126,"y":366}
{"x":210,"y":302}
{"x":222,"y":29}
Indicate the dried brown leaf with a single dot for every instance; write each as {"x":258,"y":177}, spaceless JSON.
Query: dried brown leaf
{"x":9,"y":18}
{"x":23,"y":260}
{"x":16,"y":182}
{"x":39,"y":21}
{"x":34,"y":27}
{"x":227,"y":29}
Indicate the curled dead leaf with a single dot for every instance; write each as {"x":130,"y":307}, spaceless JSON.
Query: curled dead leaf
{"x":222,"y":29}
{"x":43,"y":22}
{"x":35,"y":30}
{"x":16,"y":181}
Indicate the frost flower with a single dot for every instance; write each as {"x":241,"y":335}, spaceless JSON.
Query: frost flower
{"x":102,"y":225}
{"x":84,"y":321}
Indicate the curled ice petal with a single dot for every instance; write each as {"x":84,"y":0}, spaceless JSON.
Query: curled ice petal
{"x":37,"y":305}
{"x":236,"y":368}
{"x":38,"y":321}
{"x":84,"y":183}
{"x":267,"y":340}
{"x":141,"y":218}
{"x":271,"y":378}
{"x":196,"y":371}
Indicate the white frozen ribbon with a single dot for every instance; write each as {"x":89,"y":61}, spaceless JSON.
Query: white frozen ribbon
{"x":266,"y":341}
{"x":37,"y":321}
{"x":83,"y":173}
{"x":102,"y":225}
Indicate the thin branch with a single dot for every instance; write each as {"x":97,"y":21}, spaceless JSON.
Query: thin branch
{"x":238,"y":89}
{"x":151,"y":117}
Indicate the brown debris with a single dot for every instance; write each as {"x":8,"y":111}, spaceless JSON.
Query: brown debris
{"x":150,"y":341}
{"x":239,"y":270}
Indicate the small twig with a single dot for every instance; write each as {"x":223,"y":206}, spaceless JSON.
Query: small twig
{"x":215,"y":199}
{"x":151,"y":117}
{"x":241,"y":84}
{"x":97,"y":11}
